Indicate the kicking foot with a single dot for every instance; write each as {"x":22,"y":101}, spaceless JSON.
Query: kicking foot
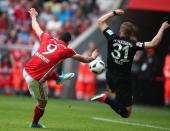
{"x":64,"y":77}
{"x":101,"y":97}
{"x":39,"y":125}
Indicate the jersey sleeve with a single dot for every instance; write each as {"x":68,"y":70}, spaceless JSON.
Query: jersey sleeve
{"x":44,"y":36}
{"x":69,"y":53}
{"x":109,"y":34}
{"x":139,"y":45}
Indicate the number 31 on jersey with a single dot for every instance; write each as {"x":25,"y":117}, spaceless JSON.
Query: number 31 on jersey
{"x":120,"y":52}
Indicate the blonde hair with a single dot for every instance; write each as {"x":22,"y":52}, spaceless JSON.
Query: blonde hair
{"x":128,"y":29}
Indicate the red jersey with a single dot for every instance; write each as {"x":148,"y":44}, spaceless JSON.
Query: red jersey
{"x":49,"y":54}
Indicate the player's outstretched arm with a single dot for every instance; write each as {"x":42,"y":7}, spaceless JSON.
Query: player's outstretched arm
{"x":157,"y":39}
{"x":33,"y":14}
{"x":86,"y":59}
{"x":102,"y":20}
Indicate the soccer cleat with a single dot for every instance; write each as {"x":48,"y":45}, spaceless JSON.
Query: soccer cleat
{"x":64,"y":77}
{"x":39,"y":125}
{"x":101,"y":97}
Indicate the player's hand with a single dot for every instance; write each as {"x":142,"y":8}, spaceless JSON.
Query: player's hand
{"x":33,"y":12}
{"x":119,"y":11}
{"x":165,"y":25}
{"x":95,"y":53}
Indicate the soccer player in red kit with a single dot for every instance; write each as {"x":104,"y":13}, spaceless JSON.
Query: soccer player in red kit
{"x":42,"y":64}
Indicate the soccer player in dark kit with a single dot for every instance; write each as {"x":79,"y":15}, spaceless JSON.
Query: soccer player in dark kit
{"x":121,"y":50}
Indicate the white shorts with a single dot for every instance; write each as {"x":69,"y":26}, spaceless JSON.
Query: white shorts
{"x":38,"y":90}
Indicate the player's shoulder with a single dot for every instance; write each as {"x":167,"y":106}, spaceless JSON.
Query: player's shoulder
{"x":61,"y":43}
{"x":109,"y":33}
{"x":45,"y":36}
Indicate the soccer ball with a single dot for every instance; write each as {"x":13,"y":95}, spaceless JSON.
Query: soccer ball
{"x":97,"y":66}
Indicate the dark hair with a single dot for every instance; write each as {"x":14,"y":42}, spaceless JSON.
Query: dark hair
{"x":65,"y":36}
{"x":128,"y":29}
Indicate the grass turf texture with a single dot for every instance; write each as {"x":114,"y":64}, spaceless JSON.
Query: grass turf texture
{"x":69,"y":115}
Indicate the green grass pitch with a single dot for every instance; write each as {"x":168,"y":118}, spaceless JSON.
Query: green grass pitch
{"x":70,"y":115}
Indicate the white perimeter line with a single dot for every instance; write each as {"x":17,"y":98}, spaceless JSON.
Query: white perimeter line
{"x":130,"y":123}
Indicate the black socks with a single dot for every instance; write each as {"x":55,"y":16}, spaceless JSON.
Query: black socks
{"x":118,"y":107}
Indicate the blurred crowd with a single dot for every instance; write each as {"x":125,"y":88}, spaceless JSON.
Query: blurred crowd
{"x":55,"y":16}
{"x":148,"y":79}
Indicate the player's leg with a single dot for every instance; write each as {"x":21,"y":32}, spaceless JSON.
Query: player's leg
{"x":64,"y":77}
{"x":116,"y":105}
{"x":42,"y":96}
{"x":38,"y":113}
{"x":39,"y":92}
{"x":123,"y":101}
{"x":124,"y":98}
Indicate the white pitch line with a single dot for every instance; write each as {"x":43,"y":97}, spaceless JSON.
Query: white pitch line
{"x":131,"y":123}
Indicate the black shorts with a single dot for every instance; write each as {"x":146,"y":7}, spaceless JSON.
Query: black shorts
{"x":122,"y":86}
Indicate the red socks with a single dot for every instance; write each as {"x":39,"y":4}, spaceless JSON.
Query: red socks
{"x":38,"y":113}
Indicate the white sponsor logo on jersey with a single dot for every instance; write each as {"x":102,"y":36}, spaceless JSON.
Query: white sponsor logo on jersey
{"x":46,"y":60}
{"x":139,"y":44}
{"x":110,"y":32}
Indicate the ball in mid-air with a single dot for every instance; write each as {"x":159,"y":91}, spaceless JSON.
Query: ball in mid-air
{"x":97,"y":66}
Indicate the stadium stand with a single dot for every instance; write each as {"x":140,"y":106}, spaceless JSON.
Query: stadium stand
{"x":17,"y":38}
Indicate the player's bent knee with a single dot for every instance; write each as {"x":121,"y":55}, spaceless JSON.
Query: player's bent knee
{"x":42,"y":103}
{"x":126,"y":114}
